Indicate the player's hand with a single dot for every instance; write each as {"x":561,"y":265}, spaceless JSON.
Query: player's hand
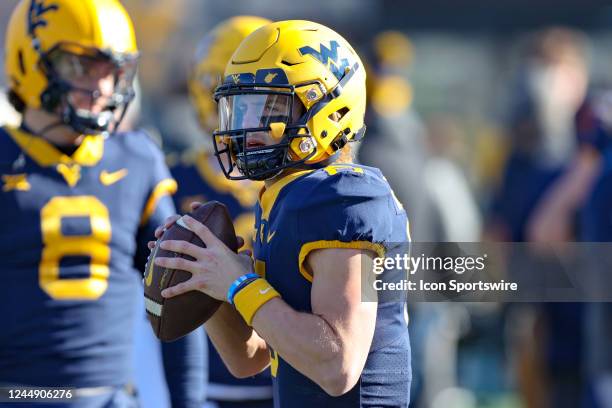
{"x":173,"y":218}
{"x":159,"y":231}
{"x":213,"y":269}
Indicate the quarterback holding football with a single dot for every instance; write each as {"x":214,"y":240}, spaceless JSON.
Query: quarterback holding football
{"x":199,"y":178}
{"x":291,"y":103}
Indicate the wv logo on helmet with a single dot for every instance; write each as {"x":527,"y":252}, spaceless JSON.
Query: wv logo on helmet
{"x":328,"y":57}
{"x":35,"y":14}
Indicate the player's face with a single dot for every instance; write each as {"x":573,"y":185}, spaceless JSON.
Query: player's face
{"x":99,"y":80}
{"x":252,"y":128}
{"x":93,"y":79}
{"x":258,"y":112}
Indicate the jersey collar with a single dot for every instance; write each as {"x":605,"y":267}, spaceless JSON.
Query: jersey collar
{"x":268,"y":196}
{"x":89,"y":153}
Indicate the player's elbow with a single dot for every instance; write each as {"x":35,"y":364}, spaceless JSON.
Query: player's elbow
{"x":341,"y":379}
{"x":242,"y":372}
{"x":248,"y":367}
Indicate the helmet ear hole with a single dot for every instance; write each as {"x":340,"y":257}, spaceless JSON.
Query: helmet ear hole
{"x":20,"y":60}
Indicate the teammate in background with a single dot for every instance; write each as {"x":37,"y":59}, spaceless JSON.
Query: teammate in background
{"x":78,"y":206}
{"x":200,"y":179}
{"x":292,"y":100}
{"x":197,"y":172}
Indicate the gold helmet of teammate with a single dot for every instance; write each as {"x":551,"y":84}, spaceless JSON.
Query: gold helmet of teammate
{"x":51,"y":43}
{"x":211,"y":57}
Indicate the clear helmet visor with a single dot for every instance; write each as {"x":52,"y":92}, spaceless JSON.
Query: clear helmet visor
{"x":90,"y":87}
{"x":253,"y":111}
{"x":84,"y":68}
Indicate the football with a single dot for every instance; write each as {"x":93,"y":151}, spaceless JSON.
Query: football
{"x":175,"y":317}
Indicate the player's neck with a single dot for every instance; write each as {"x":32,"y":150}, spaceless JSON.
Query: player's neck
{"x":269,"y":182}
{"x":39,"y":123}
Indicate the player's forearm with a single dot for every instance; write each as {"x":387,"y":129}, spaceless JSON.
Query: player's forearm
{"x":310,"y":345}
{"x":242,"y":350}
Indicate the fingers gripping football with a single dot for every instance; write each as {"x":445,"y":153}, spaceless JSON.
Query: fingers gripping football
{"x":203,"y":232}
{"x":213,"y":269}
{"x":183,"y":259}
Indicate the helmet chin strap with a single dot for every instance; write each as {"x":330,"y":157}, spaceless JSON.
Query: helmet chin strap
{"x":69,"y":118}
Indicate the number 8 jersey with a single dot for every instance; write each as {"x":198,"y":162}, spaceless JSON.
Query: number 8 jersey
{"x":72,"y":229}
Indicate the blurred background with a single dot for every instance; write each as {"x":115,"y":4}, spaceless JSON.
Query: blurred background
{"x":486,"y":117}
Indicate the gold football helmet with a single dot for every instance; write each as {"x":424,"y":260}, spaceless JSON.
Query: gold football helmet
{"x":211,"y":57}
{"x":298,"y":83}
{"x":49,"y":43}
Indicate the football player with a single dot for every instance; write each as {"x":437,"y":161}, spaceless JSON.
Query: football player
{"x":199,"y":178}
{"x":77,"y":206}
{"x":292,"y":100}
{"x":197,"y":173}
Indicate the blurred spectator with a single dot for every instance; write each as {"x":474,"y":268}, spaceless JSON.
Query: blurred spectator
{"x":596,"y":226}
{"x":395,"y":139}
{"x":460,"y":219}
{"x":551,"y":88}
{"x":395,"y":143}
{"x":556,"y":216}
{"x":433,"y":191}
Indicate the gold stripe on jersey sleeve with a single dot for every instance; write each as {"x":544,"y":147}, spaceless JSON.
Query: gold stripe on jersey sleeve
{"x":164,"y":187}
{"x":307,"y":248}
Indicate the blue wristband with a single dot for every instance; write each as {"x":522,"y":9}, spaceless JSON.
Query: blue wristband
{"x":231,"y":292}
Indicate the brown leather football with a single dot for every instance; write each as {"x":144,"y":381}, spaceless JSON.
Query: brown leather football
{"x":175,"y":317}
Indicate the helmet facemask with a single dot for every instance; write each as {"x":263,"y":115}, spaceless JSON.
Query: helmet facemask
{"x":73,"y":73}
{"x":257,"y":125}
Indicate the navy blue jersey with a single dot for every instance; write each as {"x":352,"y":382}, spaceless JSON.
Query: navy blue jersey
{"x":596,"y":214}
{"x":199,"y":179}
{"x":340,"y":206}
{"x":72,"y":229}
{"x":592,"y":122}
{"x":596,"y":226}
